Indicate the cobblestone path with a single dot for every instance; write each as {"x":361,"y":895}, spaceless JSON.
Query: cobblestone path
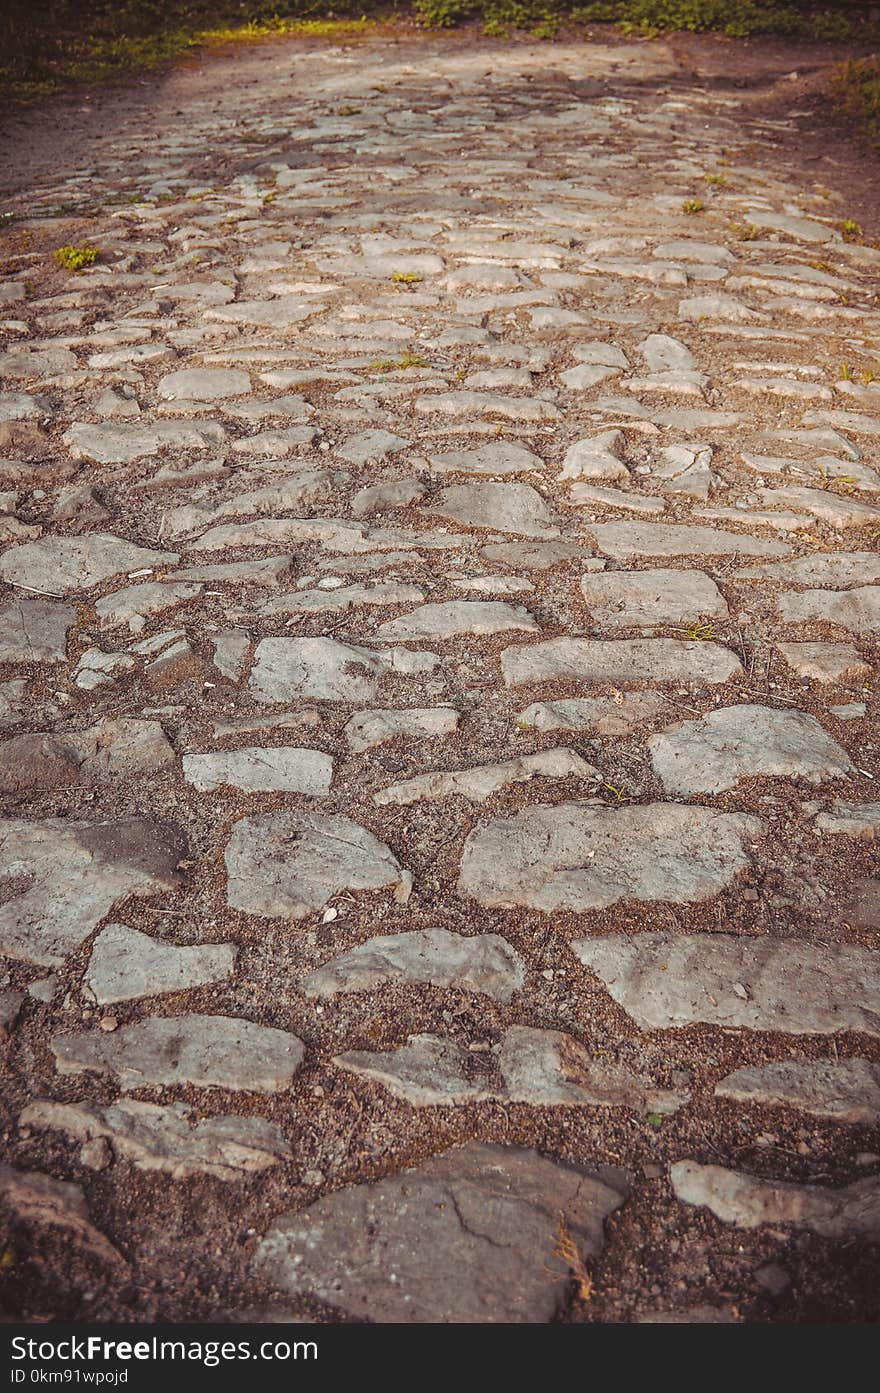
{"x":440,"y":592}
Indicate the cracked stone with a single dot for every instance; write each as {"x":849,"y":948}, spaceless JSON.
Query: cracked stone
{"x":489,"y":1217}
{"x":852,"y":1211}
{"x":479,"y":784}
{"x":323,"y":669}
{"x":367,"y":729}
{"x":284,"y":769}
{"x":619,"y":660}
{"x":485,"y":963}
{"x":292,"y":864}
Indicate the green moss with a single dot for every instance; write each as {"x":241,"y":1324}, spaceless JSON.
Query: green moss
{"x":75,"y":258}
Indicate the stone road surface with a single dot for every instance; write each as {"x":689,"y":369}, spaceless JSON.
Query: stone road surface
{"x":440,"y":593}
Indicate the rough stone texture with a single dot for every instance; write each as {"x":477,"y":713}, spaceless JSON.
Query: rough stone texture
{"x":35,"y":631}
{"x":826,"y":662}
{"x":854,"y":819}
{"x":516,"y":508}
{"x":111,"y":750}
{"x":367,"y":729}
{"x":738,"y":982}
{"x":586,"y":856}
{"x":323,"y":669}
{"x":618,"y":660}
{"x":453,"y":617}
{"x":485,"y":963}
{"x":620,"y":601}
{"x":857,"y":609}
{"x":487,"y":1214}
{"x":126,"y":964}
{"x":847,"y":1090}
{"x":63,"y":564}
{"x":744,"y":742}
{"x":292,"y":864}
{"x":169,"y":1139}
{"x":606,"y":715}
{"x":75,"y":873}
{"x":205,"y":1051}
{"x":478,"y":785}
{"x":498,"y":457}
{"x":285,"y":769}
{"x":853,"y":1211}
{"x":624,"y":540}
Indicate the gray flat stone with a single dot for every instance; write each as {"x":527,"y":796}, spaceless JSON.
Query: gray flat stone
{"x":292,"y":864}
{"x":426,"y":1072}
{"x":583,"y":856}
{"x":77,"y":871}
{"x":497,"y":457}
{"x":205,"y":1051}
{"x":723,"y":747}
{"x":35,"y":631}
{"x":853,"y":1211}
{"x":845,"y":1090}
{"x":136,"y":602}
{"x":203,"y":384}
{"x":284,"y":769}
{"x":619,"y":660}
{"x":61,"y":564}
{"x":346,"y":597}
{"x":853,"y":819}
{"x":370,"y":445}
{"x":857,"y":609}
{"x":484,"y":963}
{"x":480,"y":784}
{"x":665,"y":981}
{"x":488,"y":1215}
{"x":534,"y":556}
{"x":822,"y":568}
{"x":120,"y":443}
{"x":323,"y":669}
{"x":454,"y":617}
{"x":826,"y":662}
{"x":110,"y":750}
{"x":607,"y":715}
{"x":367,"y":729}
{"x":506,"y":507}
{"x":596,"y":457}
{"x":126,"y":964}
{"x":624,"y":540}
{"x":622,"y":600}
{"x":168,"y":1139}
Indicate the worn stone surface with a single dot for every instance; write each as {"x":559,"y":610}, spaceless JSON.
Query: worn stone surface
{"x":73,"y":874}
{"x":478,"y":785}
{"x":40,"y":1200}
{"x":63,"y":564}
{"x":620,"y":601}
{"x":606,"y":715}
{"x":34,"y":631}
{"x":126,"y":964}
{"x":205,"y":1051}
{"x":169,"y":1139}
{"x":739,"y":982}
{"x":292,"y":864}
{"x":854,"y":819}
{"x":367,"y":729}
{"x":853,"y":1211}
{"x":745,"y":742}
{"x":484,"y":963}
{"x":285,"y":769}
{"x":478,"y":617}
{"x":509,"y":507}
{"x":847,"y":1090}
{"x":581,"y":856}
{"x":621,"y":660}
{"x":488,"y":1215}
{"x":324,"y":669}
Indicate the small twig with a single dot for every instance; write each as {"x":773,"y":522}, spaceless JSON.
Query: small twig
{"x":55,"y":594}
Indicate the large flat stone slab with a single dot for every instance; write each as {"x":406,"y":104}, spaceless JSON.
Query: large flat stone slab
{"x":845,"y":1090}
{"x":35,"y":631}
{"x":73,"y":874}
{"x":292,"y":864}
{"x":624,"y":540}
{"x":734,"y":1197}
{"x":323,"y":669}
{"x":724,"y":747}
{"x":507,"y":507}
{"x":126,"y":964}
{"x":484,"y":963}
{"x":260,"y":769}
{"x":488,"y":1215}
{"x":658,"y":660}
{"x":66,"y":564}
{"x":367,"y":729}
{"x":584,"y":856}
{"x":205,"y":1051}
{"x":623,"y":600}
{"x":168,"y":1139}
{"x":452,"y":618}
{"x":665,"y":981}
{"x":857,"y":610}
